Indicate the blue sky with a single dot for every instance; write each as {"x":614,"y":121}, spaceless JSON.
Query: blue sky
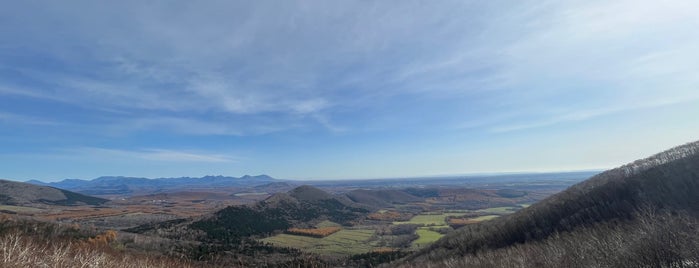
{"x":342,"y":89}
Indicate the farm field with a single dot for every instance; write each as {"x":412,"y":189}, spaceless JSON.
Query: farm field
{"x":356,"y":241}
{"x":427,"y":234}
{"x":499,"y":210}
{"x":19,"y":209}
{"x":426,"y":237}
{"x":429,"y":219}
{"x":327,"y":223}
{"x":484,"y":218}
{"x":343,"y":242}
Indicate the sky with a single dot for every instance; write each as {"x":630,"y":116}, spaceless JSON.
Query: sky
{"x":342,"y":89}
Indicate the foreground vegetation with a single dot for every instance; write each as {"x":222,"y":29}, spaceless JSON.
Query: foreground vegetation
{"x":25,"y":243}
{"x":17,"y":250}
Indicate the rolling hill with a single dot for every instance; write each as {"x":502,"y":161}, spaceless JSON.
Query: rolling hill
{"x":302,"y":206}
{"x":381,"y":198}
{"x":640,"y":214}
{"x":25,"y":194}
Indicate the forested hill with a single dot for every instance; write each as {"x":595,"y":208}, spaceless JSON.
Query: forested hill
{"x":302,"y":206}
{"x":25,"y":194}
{"x":663,"y":184}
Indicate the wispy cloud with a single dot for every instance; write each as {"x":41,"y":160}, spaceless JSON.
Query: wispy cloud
{"x":230,"y":96}
{"x":292,"y":65}
{"x":158,"y":155}
{"x":606,"y":42}
{"x":26,"y":120}
{"x":582,"y":115}
{"x":192,"y":126}
{"x":27,"y":92}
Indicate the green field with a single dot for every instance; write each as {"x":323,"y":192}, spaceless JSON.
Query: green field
{"x":429,"y":219}
{"x":426,"y":237}
{"x":344,"y":242}
{"x":499,"y":210}
{"x":485,"y":218}
{"x":356,"y":241}
{"x":327,"y":223}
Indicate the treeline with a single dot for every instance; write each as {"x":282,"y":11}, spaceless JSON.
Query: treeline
{"x":389,"y":216}
{"x":314,"y":232}
{"x":398,"y":236}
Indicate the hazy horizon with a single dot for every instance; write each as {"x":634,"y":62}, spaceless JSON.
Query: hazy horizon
{"x":433,"y":176}
{"x":318,"y":89}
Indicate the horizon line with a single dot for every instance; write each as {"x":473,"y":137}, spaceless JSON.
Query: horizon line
{"x":432,"y":176}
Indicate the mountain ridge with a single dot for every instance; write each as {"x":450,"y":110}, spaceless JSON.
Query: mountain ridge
{"x":122,"y":185}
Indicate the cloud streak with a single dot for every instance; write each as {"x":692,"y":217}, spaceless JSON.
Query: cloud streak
{"x":294,"y":64}
{"x":582,"y":115}
{"x":158,"y":155}
{"x":26,"y":120}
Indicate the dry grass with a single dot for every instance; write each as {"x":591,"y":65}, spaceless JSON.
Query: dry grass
{"x":21,"y":251}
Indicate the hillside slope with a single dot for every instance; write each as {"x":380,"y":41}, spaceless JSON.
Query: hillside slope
{"x":25,"y":194}
{"x":381,"y":198}
{"x":617,"y":201}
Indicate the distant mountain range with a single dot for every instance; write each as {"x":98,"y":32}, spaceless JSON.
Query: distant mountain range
{"x":118,"y":185}
{"x":129,"y":186}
